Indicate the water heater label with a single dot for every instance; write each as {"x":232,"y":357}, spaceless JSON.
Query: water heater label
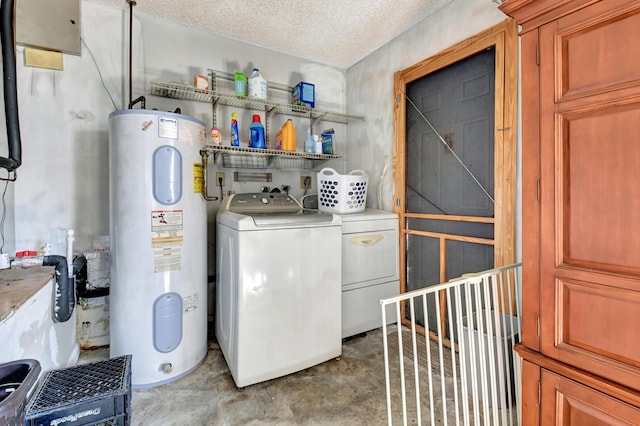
{"x":198,"y":178}
{"x":168,"y":128}
{"x":200,"y":134}
{"x":167,"y":240}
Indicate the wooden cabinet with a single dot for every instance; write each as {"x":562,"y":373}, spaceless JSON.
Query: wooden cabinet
{"x":567,"y":402}
{"x":581,"y":208}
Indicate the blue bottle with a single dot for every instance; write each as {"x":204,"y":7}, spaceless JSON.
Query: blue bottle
{"x":256,"y":130}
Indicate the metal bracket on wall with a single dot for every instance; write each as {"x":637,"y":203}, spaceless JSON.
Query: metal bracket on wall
{"x":251,"y":177}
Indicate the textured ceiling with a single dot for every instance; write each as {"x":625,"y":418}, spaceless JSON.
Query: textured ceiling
{"x":333,"y":32}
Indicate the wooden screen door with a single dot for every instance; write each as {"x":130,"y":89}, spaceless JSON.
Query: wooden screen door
{"x":454,"y":157}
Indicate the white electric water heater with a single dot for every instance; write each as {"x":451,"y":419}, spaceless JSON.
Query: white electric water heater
{"x":158,"y":231}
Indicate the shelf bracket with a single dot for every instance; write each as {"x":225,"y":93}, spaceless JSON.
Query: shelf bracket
{"x":214,"y":114}
{"x":316,"y":119}
{"x":268,"y":116}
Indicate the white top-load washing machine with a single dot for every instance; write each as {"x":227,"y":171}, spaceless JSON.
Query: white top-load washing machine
{"x":278,"y":286}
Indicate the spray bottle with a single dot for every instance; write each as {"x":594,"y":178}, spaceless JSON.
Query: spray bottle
{"x":309,"y":146}
{"x":235,"y":139}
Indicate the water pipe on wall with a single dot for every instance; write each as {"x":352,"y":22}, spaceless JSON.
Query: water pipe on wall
{"x":67,"y":272}
{"x":205,"y":186}
{"x":70,"y":240}
{"x":65,"y":293}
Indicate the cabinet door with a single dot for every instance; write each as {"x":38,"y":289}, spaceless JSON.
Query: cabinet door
{"x":565,"y":402}
{"x":590,"y":190}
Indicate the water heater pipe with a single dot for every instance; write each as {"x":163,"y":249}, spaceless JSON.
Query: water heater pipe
{"x":70,"y":240}
{"x":10,"y":88}
{"x":205,"y":188}
{"x":131,"y":4}
{"x":139,"y":99}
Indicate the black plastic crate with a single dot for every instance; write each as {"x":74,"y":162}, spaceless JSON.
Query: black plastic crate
{"x":98,"y":393}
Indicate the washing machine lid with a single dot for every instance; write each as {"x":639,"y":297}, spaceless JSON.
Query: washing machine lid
{"x":265,"y":210}
{"x":262,"y":203}
{"x":301,"y":216}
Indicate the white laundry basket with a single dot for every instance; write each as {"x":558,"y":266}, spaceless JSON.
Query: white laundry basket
{"x":342,"y":193}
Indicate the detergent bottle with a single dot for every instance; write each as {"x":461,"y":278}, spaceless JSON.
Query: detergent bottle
{"x":288,"y":136}
{"x":235,"y":139}
{"x":256,"y":131}
{"x":240,"y":84}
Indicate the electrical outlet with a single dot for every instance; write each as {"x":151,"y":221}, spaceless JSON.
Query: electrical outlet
{"x":219,"y":175}
{"x":306,"y":182}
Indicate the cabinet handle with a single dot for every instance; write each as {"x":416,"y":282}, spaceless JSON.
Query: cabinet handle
{"x":366,"y":240}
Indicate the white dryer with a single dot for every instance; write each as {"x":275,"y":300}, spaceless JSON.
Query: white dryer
{"x":370,"y":271}
{"x":278,"y":286}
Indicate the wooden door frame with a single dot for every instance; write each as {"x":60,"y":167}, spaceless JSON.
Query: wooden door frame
{"x":504,"y":37}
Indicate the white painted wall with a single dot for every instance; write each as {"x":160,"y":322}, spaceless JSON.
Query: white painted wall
{"x":63,"y":182}
{"x":370,"y":85}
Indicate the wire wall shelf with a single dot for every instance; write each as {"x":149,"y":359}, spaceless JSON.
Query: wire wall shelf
{"x":187,"y":92}
{"x":253,"y":158}
{"x":221,"y":92}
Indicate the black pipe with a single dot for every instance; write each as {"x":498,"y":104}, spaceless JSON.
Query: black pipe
{"x":139,"y":99}
{"x":65,"y":299}
{"x":10,"y":88}
{"x":131,"y":4}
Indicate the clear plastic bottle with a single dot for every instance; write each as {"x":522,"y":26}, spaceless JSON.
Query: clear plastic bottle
{"x":309,"y":146}
{"x":317,"y":145}
{"x":257,"y":85}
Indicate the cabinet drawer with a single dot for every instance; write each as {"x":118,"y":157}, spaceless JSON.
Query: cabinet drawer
{"x":369,"y":256}
{"x":566,"y":402}
{"x":361,"y":307}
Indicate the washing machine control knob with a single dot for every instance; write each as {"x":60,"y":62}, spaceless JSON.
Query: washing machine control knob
{"x":264,"y":200}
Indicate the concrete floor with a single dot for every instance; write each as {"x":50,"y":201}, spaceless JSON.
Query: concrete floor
{"x":349,"y":390}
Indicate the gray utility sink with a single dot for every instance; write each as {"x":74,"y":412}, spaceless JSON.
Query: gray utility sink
{"x":16,"y":380}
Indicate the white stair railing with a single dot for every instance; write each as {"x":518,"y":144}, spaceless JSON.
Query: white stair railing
{"x":465,"y":372}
